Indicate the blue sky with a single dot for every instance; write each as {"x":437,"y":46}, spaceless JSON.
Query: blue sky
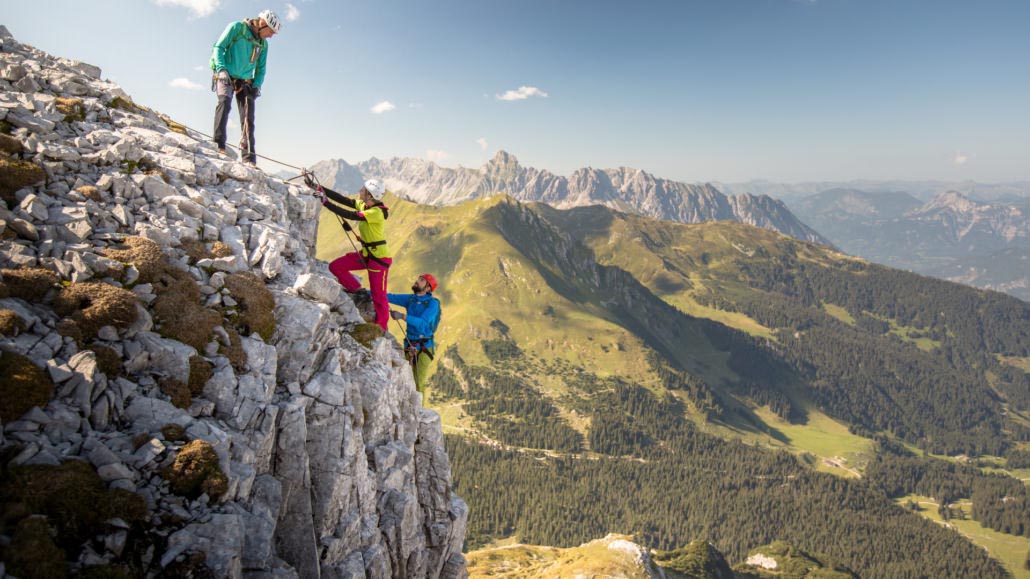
{"x":726,"y":90}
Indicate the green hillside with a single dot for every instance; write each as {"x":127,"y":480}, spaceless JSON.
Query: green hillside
{"x":656,"y":349}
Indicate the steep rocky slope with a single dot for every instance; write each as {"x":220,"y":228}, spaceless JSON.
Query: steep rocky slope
{"x":627,"y":189}
{"x":185,"y":390}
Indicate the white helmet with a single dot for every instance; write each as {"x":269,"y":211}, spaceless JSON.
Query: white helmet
{"x":374,"y":187}
{"x":271,"y":20}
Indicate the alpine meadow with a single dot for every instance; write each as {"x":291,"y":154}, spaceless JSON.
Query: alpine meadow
{"x":606,"y":372}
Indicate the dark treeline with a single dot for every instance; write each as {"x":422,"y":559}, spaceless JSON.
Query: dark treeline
{"x":505,"y":406}
{"x":873,"y":379}
{"x":671,"y":484}
{"x":703,"y":487}
{"x":1017,"y":459}
{"x":1000,"y":502}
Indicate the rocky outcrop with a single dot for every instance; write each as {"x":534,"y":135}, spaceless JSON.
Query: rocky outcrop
{"x":315,"y":458}
{"x":625,"y":189}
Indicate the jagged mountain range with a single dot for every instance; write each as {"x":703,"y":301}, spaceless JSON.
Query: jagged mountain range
{"x":951,"y":236}
{"x":922,"y":190}
{"x":626,"y":189}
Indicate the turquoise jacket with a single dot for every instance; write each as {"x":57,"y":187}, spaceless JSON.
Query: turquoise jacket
{"x":241,"y":53}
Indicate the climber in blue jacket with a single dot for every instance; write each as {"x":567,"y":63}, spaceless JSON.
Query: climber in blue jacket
{"x":422,"y":316}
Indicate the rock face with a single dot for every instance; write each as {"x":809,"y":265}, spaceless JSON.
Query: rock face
{"x":331,"y":466}
{"x":625,"y":189}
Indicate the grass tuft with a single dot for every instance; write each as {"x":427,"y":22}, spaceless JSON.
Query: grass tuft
{"x":24,"y":386}
{"x":28,"y":283}
{"x":92,"y":305}
{"x":196,"y":471}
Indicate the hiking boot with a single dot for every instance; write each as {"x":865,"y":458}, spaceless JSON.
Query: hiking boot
{"x":359,"y":295}
{"x":223,"y":152}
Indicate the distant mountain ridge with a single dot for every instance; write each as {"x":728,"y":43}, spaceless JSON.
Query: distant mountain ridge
{"x":922,"y":190}
{"x":626,"y":189}
{"x":952,"y":236}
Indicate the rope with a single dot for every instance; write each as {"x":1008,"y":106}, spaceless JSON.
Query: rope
{"x":338,"y":218}
{"x":205,"y":135}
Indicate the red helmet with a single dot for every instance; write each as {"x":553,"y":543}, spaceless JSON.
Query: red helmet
{"x":430,"y":280}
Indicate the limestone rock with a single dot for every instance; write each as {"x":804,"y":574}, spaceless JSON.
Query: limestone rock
{"x":331,"y":466}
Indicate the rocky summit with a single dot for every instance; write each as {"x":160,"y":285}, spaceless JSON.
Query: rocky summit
{"x":185,"y":391}
{"x":625,"y":189}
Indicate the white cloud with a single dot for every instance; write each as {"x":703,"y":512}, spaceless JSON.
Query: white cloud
{"x":436,"y":155}
{"x":201,"y":67}
{"x":482,"y":142}
{"x":184,"y":83}
{"x":960,"y":159}
{"x":382,"y":107}
{"x":197,"y":8}
{"x":292,"y":13}
{"x":414,"y":105}
{"x":523,"y":93}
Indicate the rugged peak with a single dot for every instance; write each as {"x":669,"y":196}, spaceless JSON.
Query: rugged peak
{"x":953,"y":201}
{"x":503,"y":159}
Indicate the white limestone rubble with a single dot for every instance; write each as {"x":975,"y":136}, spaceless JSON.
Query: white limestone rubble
{"x":333,"y":467}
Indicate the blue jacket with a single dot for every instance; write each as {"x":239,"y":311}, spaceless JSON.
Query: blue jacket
{"x":423,"y":316}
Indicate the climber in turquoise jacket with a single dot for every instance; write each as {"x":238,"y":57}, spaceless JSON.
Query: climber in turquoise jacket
{"x":422,"y":317}
{"x":238,"y":63}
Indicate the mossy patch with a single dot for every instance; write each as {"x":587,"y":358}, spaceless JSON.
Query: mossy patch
{"x":367,"y":333}
{"x":174,"y":126}
{"x":11,"y":324}
{"x":697,"y":559}
{"x":194,"y":566}
{"x":255,"y":312}
{"x":196,"y":250}
{"x":200,"y":372}
{"x":173,"y":432}
{"x":92,"y":305}
{"x":6,"y":127}
{"x":104,"y":572}
{"x":220,"y":249}
{"x":72,"y":108}
{"x":178,"y":393}
{"x":141,"y":253}
{"x":125,"y":104}
{"x":139,"y":440}
{"x":10,"y":146}
{"x":23,"y":385}
{"x":108,"y":361}
{"x":196,"y":471}
{"x":32,"y":552}
{"x":179,"y":312}
{"x":74,"y":498}
{"x":28,"y":283}
{"x":234,"y":351}
{"x":90,"y":192}
{"x":15,"y":175}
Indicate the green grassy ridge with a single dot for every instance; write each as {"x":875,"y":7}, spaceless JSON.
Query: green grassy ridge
{"x":501,"y":260}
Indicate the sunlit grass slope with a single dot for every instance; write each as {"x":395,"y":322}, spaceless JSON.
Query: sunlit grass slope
{"x":501,"y":276}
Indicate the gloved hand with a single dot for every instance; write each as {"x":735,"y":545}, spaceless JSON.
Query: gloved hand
{"x":223,"y":75}
{"x":310,"y":182}
{"x":397,"y":315}
{"x":255,"y":91}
